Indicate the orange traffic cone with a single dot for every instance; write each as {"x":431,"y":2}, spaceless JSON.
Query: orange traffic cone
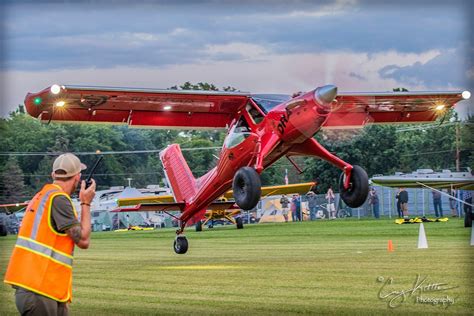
{"x":390,"y":246}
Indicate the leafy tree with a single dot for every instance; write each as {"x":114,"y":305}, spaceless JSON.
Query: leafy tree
{"x":467,"y":143}
{"x":199,"y":86}
{"x":400,"y":90}
{"x":427,"y":146}
{"x":12,"y":186}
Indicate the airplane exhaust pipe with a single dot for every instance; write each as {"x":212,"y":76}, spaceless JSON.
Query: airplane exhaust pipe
{"x":325,"y":95}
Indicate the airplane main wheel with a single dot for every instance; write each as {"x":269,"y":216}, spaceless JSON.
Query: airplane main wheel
{"x":468,"y":218}
{"x":239,"y":222}
{"x":199,"y":226}
{"x":247,"y":188}
{"x":358,"y":189}
{"x":180,"y":245}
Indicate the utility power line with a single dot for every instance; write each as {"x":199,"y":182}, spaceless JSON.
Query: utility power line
{"x":85,"y":153}
{"x":429,"y":126}
{"x":431,"y":152}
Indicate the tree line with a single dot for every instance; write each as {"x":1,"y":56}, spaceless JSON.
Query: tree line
{"x":379,"y":149}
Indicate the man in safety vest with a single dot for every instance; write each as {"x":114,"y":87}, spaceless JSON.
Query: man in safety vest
{"x":40,"y":268}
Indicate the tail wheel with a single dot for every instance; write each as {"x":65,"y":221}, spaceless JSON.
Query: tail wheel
{"x":180,"y":245}
{"x":247,"y":188}
{"x":356,"y":194}
{"x":199,"y":226}
{"x":239,"y":222}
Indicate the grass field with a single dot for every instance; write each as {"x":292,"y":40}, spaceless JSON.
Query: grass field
{"x":323,"y":267}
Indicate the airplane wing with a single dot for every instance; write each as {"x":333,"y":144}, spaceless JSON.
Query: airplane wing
{"x":358,"y":109}
{"x":136,"y":107}
{"x":153,"y":207}
{"x":300,"y":188}
{"x":450,"y":180}
{"x":146,"y":200}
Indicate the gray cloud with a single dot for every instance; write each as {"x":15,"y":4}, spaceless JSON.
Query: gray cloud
{"x":449,"y":69}
{"x":357,"y":76}
{"x":93,"y":34}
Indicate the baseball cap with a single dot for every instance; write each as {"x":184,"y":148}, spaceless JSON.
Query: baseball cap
{"x":69,"y":165}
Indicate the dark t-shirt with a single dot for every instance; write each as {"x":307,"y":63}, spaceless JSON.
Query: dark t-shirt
{"x":436,"y":196}
{"x":62,"y":214}
{"x":403,"y":196}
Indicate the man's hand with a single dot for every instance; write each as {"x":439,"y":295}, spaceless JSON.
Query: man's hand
{"x":87,"y":195}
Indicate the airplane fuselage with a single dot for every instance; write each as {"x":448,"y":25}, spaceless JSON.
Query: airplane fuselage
{"x":258,"y":144}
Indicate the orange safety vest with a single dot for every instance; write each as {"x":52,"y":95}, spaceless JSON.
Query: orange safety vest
{"x":42,"y":257}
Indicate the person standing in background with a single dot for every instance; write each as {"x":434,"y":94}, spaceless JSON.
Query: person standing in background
{"x":374,"y":201}
{"x":297,"y":201}
{"x":293,"y":208}
{"x":403,"y":198}
{"x":312,"y":204}
{"x":330,"y":197}
{"x":452,"y":203}
{"x":437,"y":203}
{"x":399,"y":206}
{"x":284,"y":206}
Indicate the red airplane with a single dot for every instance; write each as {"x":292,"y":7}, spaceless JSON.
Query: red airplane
{"x":261,"y":129}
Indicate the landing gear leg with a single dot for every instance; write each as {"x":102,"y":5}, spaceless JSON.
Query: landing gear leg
{"x":354,"y":185}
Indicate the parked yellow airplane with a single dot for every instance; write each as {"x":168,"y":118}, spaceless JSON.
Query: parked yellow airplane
{"x":225,"y":211}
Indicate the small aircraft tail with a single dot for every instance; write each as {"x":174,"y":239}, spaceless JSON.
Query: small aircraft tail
{"x":178,"y":174}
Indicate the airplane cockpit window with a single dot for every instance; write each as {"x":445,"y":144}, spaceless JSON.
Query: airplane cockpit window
{"x":268,"y":101}
{"x":255,"y":114}
{"x":238,"y":133}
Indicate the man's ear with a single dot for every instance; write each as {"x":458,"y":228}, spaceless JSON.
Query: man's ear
{"x":52,"y":175}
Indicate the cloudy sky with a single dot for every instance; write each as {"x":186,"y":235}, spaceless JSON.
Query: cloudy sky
{"x":257,"y":46}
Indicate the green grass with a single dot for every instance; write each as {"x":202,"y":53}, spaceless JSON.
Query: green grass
{"x":323,"y":267}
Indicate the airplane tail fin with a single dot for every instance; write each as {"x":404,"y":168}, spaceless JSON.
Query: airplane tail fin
{"x":178,"y":174}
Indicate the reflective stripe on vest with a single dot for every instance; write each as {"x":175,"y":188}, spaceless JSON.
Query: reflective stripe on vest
{"x":39,"y":213}
{"x":43,"y":250}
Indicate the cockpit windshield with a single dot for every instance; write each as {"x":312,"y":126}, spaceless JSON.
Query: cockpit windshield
{"x":268,"y":101}
{"x":237,"y":134}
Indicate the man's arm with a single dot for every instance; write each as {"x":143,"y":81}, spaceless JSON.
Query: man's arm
{"x":81,"y":234}
{"x":75,"y":234}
